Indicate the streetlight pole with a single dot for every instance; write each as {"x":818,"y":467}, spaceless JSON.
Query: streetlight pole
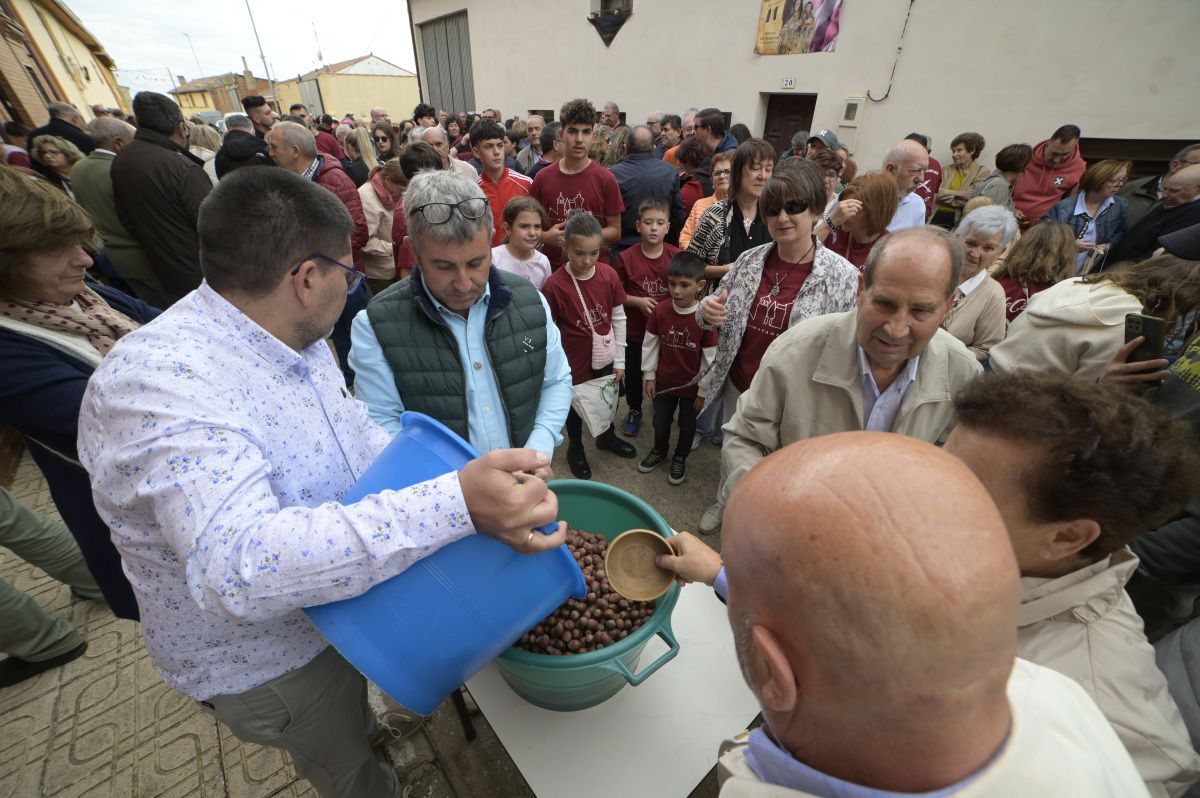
{"x":270,"y":79}
{"x":198,"y":67}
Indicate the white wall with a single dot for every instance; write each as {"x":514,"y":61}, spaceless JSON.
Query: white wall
{"x":1012,"y":70}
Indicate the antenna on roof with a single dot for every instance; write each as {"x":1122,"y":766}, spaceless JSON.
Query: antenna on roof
{"x":320,"y":59}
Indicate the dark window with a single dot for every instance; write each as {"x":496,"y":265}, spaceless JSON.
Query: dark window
{"x":1149,"y":156}
{"x":37,"y":84}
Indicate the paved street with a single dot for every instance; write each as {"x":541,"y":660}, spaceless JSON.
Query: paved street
{"x":106,"y":725}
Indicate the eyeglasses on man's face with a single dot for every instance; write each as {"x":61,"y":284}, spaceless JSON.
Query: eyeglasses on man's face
{"x":353,"y":276}
{"x":439,"y":212}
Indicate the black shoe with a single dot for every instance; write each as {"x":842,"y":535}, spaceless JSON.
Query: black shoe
{"x":577,"y":462}
{"x":15,"y":670}
{"x":609,"y":442}
{"x":652,"y":461}
{"x":678,"y":471}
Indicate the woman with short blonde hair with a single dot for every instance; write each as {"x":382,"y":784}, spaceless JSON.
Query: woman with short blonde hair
{"x":57,"y":155}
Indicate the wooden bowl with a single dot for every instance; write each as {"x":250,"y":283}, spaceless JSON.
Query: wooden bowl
{"x":629,"y":564}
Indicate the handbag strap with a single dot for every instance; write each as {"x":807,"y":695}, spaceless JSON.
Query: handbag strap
{"x":586,"y":316}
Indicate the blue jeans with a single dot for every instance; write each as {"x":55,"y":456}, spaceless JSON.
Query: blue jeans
{"x":710,"y":421}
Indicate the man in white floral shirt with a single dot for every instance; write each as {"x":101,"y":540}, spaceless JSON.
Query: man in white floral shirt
{"x":219,"y":440}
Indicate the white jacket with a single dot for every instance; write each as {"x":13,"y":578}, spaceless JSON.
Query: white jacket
{"x":1083,"y":625}
{"x":1071,"y":329}
{"x":1059,"y":747}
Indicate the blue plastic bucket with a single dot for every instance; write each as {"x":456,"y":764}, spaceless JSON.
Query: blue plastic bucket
{"x":422,"y":633}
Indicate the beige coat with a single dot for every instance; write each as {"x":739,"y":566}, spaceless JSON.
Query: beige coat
{"x":1071,"y":329}
{"x":1083,"y":625}
{"x":1059,"y":747}
{"x":809,"y":384}
{"x":975,"y":173}
{"x":980,"y":320}
{"x":378,"y":262}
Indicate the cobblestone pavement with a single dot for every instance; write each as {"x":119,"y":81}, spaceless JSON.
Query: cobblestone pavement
{"x":106,"y":725}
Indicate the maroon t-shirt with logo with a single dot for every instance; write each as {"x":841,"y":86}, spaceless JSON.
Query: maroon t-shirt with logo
{"x":769,"y":314}
{"x":601,"y":293}
{"x":681,"y":342}
{"x":1016,"y":297}
{"x":594,"y":189}
{"x":642,"y":276}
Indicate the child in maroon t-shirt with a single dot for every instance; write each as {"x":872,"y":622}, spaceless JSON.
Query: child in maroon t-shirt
{"x":676,"y":356}
{"x":643,"y":273}
{"x":586,"y":300}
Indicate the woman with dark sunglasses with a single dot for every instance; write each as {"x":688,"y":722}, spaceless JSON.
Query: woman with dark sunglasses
{"x":773,"y":286}
{"x":384,"y":137}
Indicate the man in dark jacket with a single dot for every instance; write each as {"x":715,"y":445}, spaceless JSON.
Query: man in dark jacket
{"x":158,"y":187}
{"x":240,"y":147}
{"x":1142,"y":195}
{"x":1180,"y":208}
{"x":710,"y":123}
{"x":640,"y":175}
{"x":294,"y":148}
{"x":66,"y":123}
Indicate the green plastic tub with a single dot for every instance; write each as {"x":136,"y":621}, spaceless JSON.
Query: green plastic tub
{"x":578,"y":681}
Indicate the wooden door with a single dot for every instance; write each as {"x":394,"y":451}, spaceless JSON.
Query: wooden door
{"x":786,"y":114}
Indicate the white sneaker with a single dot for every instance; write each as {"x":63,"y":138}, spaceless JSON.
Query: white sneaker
{"x":710,"y":522}
{"x":696,"y":442}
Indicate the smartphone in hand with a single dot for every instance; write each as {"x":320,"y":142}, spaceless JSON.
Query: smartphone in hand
{"x":1153,"y":329}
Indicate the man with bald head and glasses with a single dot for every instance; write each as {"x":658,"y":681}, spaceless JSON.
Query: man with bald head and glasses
{"x":220,"y":441}
{"x":461,"y":340}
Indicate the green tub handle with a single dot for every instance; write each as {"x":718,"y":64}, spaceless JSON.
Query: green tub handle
{"x":668,"y":637}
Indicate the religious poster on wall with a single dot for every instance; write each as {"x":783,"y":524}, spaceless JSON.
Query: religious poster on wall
{"x":790,"y":27}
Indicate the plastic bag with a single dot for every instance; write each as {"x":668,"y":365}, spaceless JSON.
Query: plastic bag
{"x":596,"y":403}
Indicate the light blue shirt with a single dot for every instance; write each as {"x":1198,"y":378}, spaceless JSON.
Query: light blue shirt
{"x":880,"y":409}
{"x":774,"y":765}
{"x":487,"y":422}
{"x":218,"y":456}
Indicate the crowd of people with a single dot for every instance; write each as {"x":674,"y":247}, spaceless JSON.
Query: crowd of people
{"x":943,"y":445}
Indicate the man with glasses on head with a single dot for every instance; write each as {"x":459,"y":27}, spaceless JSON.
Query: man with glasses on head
{"x":461,"y":340}
{"x":220,"y":440}
{"x":1179,"y":209}
{"x":294,"y":148}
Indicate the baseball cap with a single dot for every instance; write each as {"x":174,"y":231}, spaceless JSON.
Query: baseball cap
{"x":826,"y":137}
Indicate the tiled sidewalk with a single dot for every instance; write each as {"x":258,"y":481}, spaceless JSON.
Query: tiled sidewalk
{"x":107,"y":725}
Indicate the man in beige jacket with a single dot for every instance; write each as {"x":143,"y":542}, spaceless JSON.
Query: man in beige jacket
{"x":1078,"y":470}
{"x":880,"y":636}
{"x":884,"y":366}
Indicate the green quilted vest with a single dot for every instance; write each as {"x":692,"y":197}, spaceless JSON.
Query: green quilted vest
{"x":424,"y":358}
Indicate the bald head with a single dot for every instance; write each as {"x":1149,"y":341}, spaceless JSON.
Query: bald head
{"x":1181,"y":187}
{"x":641,"y":139}
{"x":109,"y":133}
{"x":872,"y":586}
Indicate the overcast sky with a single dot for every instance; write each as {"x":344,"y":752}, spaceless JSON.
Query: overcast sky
{"x":147,"y":41}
